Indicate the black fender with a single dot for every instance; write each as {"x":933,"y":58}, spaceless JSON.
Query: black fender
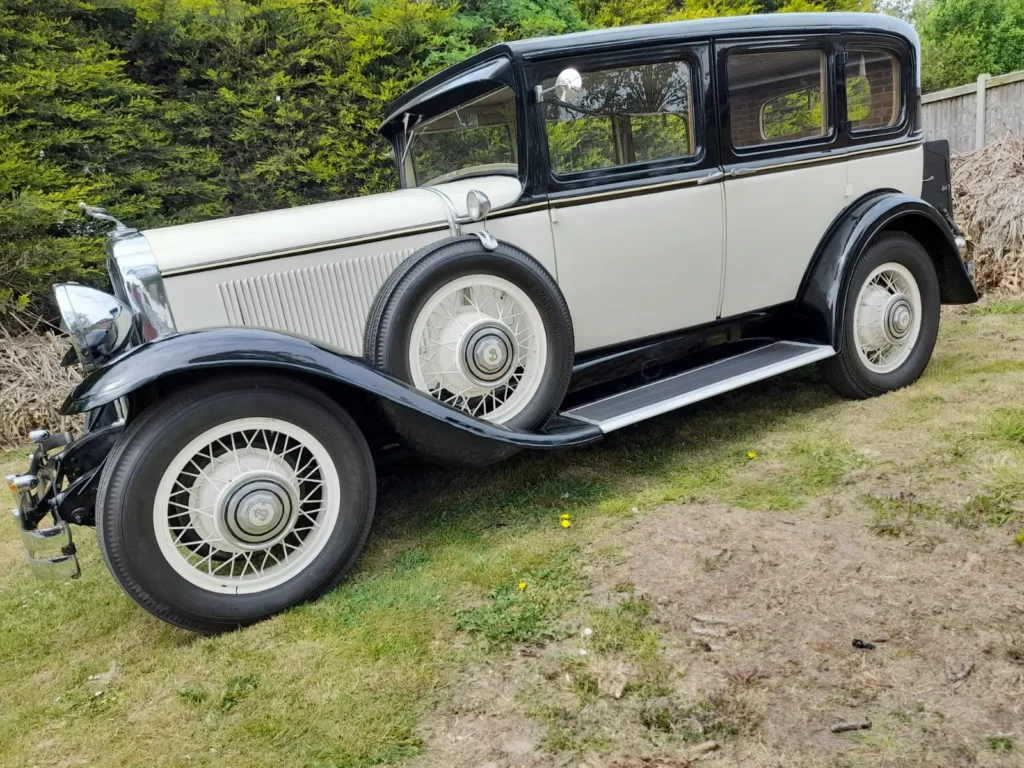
{"x":438,"y":430}
{"x":823,"y":291}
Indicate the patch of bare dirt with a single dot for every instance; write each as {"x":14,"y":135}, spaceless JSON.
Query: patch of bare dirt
{"x":939,"y":608}
{"x":763,"y":609}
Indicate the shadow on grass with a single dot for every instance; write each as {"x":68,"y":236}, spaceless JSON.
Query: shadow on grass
{"x":422,"y":501}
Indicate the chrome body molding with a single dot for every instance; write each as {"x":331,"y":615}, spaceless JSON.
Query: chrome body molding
{"x":138,"y":282}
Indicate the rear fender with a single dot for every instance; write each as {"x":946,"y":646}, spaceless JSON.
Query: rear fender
{"x":440,"y":431}
{"x":823,"y":292}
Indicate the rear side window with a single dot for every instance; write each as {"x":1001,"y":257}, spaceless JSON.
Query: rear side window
{"x":622,"y":116}
{"x":873,"y":98}
{"x":777,"y":96}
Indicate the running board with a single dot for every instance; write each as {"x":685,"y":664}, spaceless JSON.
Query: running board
{"x":664,"y":395}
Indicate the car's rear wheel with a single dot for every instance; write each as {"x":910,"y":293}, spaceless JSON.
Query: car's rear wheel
{"x":891,"y":320}
{"x":487,"y":332}
{"x":234,"y":500}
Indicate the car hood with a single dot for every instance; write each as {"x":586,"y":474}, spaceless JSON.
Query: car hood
{"x":294,"y":229}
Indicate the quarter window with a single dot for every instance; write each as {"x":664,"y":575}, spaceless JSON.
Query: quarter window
{"x":622,"y":116}
{"x":777,"y":96}
{"x":872,"y":89}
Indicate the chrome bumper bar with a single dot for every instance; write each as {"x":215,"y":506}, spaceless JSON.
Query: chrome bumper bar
{"x":50,"y":550}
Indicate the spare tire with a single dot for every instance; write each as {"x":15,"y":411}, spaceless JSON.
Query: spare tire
{"x":487,"y":332}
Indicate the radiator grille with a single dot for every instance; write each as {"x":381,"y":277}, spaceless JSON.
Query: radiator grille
{"x":329,"y":302}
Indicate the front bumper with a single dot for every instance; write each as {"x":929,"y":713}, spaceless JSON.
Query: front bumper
{"x":50,"y":550}
{"x":60,"y":485}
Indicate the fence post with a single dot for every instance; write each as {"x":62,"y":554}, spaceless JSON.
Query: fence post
{"x":979,"y":112}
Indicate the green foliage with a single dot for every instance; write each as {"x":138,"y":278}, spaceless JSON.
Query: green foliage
{"x":962,"y":39}
{"x":171,"y":111}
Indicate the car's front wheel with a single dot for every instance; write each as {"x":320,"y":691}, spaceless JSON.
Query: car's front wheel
{"x":891,"y":320}
{"x":233,"y":500}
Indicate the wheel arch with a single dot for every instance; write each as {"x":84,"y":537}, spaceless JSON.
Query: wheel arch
{"x":147,"y":372}
{"x":823,"y":291}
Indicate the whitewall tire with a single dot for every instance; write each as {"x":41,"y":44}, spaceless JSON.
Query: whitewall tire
{"x":890,"y":319}
{"x":233,"y":500}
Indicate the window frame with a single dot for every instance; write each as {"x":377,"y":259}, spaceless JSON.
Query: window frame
{"x":823,"y":43}
{"x":694,"y":53}
{"x":904,"y":58}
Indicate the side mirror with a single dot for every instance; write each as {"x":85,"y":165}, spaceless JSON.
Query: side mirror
{"x":478,"y":205}
{"x":568,"y":86}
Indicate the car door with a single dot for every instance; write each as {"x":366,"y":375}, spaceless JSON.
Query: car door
{"x":785,"y":175}
{"x":636,"y":210}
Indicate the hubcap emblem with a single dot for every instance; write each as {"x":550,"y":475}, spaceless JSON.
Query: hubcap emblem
{"x":488,"y":352}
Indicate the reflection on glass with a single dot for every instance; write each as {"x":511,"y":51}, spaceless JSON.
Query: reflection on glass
{"x":622,"y":116}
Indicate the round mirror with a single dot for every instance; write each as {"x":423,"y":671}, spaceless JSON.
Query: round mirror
{"x":478,"y":205}
{"x":568,"y":85}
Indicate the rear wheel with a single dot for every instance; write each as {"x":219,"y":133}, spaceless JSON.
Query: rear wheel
{"x":234,"y":500}
{"x":891,"y":320}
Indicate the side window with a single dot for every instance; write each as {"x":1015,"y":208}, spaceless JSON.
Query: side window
{"x":622,"y":116}
{"x":777,"y":96}
{"x":872,"y":89}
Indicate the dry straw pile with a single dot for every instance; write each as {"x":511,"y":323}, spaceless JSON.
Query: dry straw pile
{"x":989,"y":188}
{"x":32,"y":385}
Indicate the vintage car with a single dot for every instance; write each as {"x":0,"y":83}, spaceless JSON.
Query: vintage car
{"x":591,"y":230}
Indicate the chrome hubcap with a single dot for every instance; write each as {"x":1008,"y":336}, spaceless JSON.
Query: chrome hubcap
{"x":256,"y":509}
{"x":488,"y":351}
{"x":898,"y":317}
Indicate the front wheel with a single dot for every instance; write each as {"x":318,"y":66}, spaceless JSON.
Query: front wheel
{"x":891,"y":320}
{"x":233,"y":500}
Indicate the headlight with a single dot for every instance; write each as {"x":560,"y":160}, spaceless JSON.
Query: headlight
{"x":100,"y":325}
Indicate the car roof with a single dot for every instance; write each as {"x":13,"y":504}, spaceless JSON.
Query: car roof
{"x":645,"y":34}
{"x":723,"y":26}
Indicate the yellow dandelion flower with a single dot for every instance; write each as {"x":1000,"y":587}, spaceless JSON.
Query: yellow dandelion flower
{"x":566,"y":522}
{"x":751,"y":455}
{"x":522,"y":586}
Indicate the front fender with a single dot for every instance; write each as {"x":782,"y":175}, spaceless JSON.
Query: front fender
{"x":257,"y":349}
{"x":824,"y":288}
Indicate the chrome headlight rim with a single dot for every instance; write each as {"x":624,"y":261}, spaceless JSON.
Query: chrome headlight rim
{"x":138,"y":282}
{"x":100,"y":326}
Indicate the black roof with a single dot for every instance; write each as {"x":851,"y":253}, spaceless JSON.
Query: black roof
{"x":645,"y":34}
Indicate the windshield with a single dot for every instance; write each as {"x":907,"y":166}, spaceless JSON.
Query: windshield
{"x":474,"y":139}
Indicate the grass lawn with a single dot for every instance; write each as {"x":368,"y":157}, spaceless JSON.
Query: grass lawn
{"x":471,"y":574}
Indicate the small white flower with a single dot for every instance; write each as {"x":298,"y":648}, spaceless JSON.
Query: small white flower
{"x":583,"y":651}
{"x":277,"y":97}
{"x":587,"y":632}
{"x":635,"y":509}
{"x":42,"y":153}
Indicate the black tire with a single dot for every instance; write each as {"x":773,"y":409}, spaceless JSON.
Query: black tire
{"x":846,"y":372}
{"x":128,"y":487}
{"x":402,"y":297}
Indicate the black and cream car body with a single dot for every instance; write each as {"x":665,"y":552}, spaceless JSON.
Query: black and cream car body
{"x":591,"y":230}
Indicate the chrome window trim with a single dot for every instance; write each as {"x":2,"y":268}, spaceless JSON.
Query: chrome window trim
{"x":137,"y":280}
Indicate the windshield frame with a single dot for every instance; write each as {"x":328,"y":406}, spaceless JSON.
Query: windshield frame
{"x":414,"y":137}
{"x":432,"y":99}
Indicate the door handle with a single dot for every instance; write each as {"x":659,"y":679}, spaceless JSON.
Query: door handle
{"x":713,"y":176}
{"x":742,"y":172}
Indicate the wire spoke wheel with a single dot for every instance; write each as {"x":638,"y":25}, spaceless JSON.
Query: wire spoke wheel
{"x":246,"y":505}
{"x":479,"y":345}
{"x":887,"y":317}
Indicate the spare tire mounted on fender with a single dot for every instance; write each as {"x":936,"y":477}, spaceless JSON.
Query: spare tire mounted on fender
{"x":487,"y":332}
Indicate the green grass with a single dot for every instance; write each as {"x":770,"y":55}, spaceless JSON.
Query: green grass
{"x":1015,"y":307}
{"x":347,"y":680}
